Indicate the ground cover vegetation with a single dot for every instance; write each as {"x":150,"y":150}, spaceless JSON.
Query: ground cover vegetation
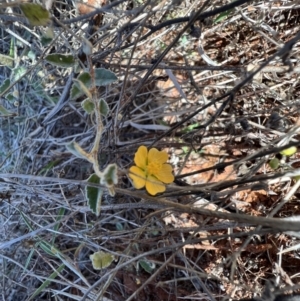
{"x":149,"y":150}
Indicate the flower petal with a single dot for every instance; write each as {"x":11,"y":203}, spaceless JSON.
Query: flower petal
{"x":141,"y":156}
{"x":157,"y":156}
{"x":165,"y":174}
{"x":154,"y":186}
{"x":137,"y":175}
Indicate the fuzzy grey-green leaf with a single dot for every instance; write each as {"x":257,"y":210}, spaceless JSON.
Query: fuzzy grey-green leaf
{"x":104,"y":77}
{"x":45,"y":41}
{"x":5,"y":85}
{"x":4,"y":112}
{"x":76,"y":92}
{"x":94,"y":194}
{"x":76,"y":150}
{"x":101,"y":260}
{"x":85,"y":78}
{"x":88,"y":105}
{"x":60,"y":60}
{"x":110,"y":175}
{"x":147,"y":265}
{"x":103,"y":106}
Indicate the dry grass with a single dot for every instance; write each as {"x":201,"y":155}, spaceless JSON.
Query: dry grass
{"x":202,"y":104}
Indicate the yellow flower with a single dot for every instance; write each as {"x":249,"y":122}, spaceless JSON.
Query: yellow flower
{"x":151,"y":170}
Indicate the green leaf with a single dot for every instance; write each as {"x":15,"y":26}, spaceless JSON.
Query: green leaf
{"x":87,"y":46}
{"x":190,"y":127}
{"x":47,"y":282}
{"x":94,"y":194}
{"x":27,"y":222}
{"x":119,"y":226}
{"x":6,"y":60}
{"x":18,"y":72}
{"x":28,"y":260}
{"x":48,"y":248}
{"x":76,"y":92}
{"x":103,"y":106}
{"x":60,"y":215}
{"x":289,"y":151}
{"x":88,"y":105}
{"x":4,"y":112}
{"x":110,"y":178}
{"x":32,"y":55}
{"x":36,"y":14}
{"x":101,"y":260}
{"x":83,"y":88}
{"x":10,"y":97}
{"x":184,"y":40}
{"x":147,"y":266}
{"x":60,"y":60}
{"x":48,"y":36}
{"x":274,"y":163}
{"x":45,"y":41}
{"x":12,"y":48}
{"x":5,"y":85}
{"x":104,"y":77}
{"x":85,"y":78}
{"x":223,"y":16}
{"x":49,"y":166}
{"x":76,"y":150}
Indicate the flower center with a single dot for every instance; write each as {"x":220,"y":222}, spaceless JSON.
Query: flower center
{"x":153,"y":168}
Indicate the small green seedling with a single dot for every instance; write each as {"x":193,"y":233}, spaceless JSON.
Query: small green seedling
{"x":274,"y":163}
{"x":147,"y":265}
{"x":289,"y":151}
